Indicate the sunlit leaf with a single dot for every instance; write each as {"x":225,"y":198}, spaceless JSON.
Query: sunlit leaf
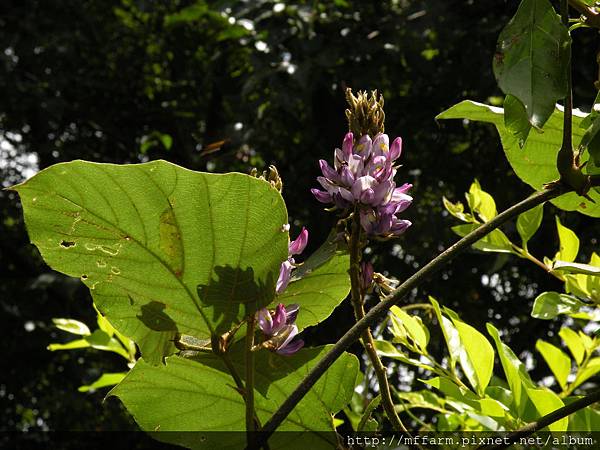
{"x":105,"y":380}
{"x":545,"y":402}
{"x":569,"y":243}
{"x":162,"y":249}
{"x":574,"y":343}
{"x":529,"y":222}
{"x":557,"y":360}
{"x":535,"y":163}
{"x":531,"y":59}
{"x":548,"y":305}
{"x":72,"y":326}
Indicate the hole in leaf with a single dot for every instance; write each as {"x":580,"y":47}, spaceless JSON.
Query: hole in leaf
{"x":67,"y":244}
{"x":84,"y":277}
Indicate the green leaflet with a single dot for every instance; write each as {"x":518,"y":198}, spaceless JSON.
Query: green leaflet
{"x":162,"y":249}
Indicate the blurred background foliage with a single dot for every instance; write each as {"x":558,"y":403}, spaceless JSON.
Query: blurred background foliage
{"x":221,"y":86}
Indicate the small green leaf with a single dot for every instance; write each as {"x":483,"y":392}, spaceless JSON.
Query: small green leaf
{"x":457,"y":210}
{"x":412,"y":325}
{"x":516,"y":374}
{"x":515,"y":119}
{"x":557,"y":360}
{"x":102,"y":341}
{"x":72,"y":326}
{"x":449,"y":331}
{"x":78,"y":343}
{"x":106,"y":379}
{"x":574,"y":343}
{"x":388,"y":350}
{"x":585,"y":373}
{"x":529,"y":222}
{"x":571,"y":267}
{"x":481,"y":202}
{"x":366,"y":417}
{"x":548,"y":305}
{"x":531,"y":57}
{"x":546,"y":401}
{"x":569,"y":243}
{"x":477,"y":359}
{"x":496,"y":241}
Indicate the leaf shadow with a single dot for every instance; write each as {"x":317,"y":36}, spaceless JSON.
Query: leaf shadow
{"x":234,"y":294}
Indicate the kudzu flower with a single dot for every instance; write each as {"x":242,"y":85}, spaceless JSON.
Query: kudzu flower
{"x":295,"y":247}
{"x":366,"y":276}
{"x":280,"y":329}
{"x":363,"y":175}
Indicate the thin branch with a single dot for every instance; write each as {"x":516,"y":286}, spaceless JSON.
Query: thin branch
{"x":546,"y":420}
{"x":380,"y":309}
{"x":367,"y":338}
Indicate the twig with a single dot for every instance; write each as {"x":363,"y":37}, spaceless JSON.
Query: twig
{"x":380,"y":309}
{"x":546,"y":420}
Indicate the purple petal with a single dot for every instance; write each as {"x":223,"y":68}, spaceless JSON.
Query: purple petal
{"x":346,"y":177}
{"x":367,"y":220}
{"x":328,"y":172}
{"x":285,"y":272}
{"x":326,"y":183}
{"x":366,"y":275}
{"x":362,"y":184}
{"x":322,"y":196}
{"x":299,"y":244}
{"x":356,"y":165}
{"x":291,"y":348}
{"x":382,"y":193}
{"x":399,"y":226}
{"x":346,"y":194}
{"x":396,"y":149}
{"x":363,"y":148}
{"x":291,"y":312}
{"x":288,"y":332}
{"x":381,"y":144}
{"x":265,"y":321}
{"x":403,"y":189}
{"x":347,"y":145}
{"x":279,"y":318}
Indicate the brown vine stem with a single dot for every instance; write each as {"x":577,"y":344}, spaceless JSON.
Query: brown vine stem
{"x":548,"y":419}
{"x":368,"y":342}
{"x":396,"y":296}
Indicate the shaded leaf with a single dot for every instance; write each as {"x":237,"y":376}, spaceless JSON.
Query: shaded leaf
{"x":531,"y":58}
{"x":529,"y":222}
{"x":548,"y":305}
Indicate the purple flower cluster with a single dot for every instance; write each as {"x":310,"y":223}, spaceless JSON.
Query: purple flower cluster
{"x":278,"y":326}
{"x":363,"y":173}
{"x":280,"y":329}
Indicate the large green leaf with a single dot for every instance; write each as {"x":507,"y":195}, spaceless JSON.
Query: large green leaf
{"x":162,"y":249}
{"x":535,"y":164}
{"x":199,"y":395}
{"x":531,"y":58}
{"x":569,"y":243}
{"x":319,"y":284}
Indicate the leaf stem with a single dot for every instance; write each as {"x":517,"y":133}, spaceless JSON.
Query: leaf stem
{"x":250,"y":415}
{"x":357,"y":296}
{"x":546,"y":420}
{"x":381,"y":308}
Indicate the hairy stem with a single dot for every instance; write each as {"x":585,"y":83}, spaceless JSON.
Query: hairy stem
{"x":368,"y":342}
{"x":548,"y":419}
{"x":380,"y":309}
{"x":250,"y":415}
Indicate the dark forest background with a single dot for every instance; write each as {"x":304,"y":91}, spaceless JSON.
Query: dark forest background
{"x":126,"y":81}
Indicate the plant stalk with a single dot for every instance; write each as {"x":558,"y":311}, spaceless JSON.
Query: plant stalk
{"x":357,"y":296}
